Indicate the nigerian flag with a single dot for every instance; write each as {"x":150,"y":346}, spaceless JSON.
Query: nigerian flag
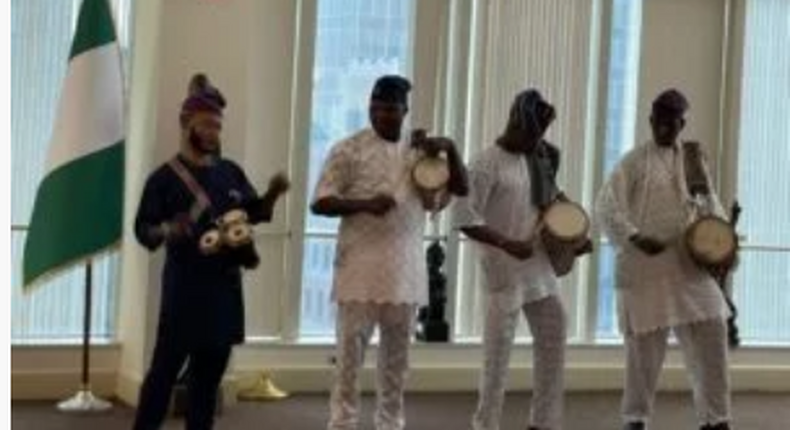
{"x":79,"y":205}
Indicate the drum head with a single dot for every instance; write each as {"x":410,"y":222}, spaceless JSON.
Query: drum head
{"x":233,"y":216}
{"x":238,"y":235}
{"x":431,"y":173}
{"x":711,"y":240}
{"x":566,"y":220}
{"x":210,"y":241}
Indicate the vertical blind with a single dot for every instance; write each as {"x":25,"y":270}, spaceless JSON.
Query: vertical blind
{"x":41,"y":33}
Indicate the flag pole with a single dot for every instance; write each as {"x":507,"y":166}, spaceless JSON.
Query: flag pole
{"x":84,"y":400}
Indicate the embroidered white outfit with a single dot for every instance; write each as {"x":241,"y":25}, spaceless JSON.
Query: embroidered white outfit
{"x":647,"y":193}
{"x":380,"y":272}
{"x":500,"y":198}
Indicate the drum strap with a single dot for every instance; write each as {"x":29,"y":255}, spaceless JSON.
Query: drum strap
{"x":202,"y":201}
{"x":694,"y":167}
{"x":543,"y":164}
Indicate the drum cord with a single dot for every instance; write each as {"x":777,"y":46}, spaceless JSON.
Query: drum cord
{"x":733,"y":335}
{"x":722,"y":276}
{"x":698,"y":186}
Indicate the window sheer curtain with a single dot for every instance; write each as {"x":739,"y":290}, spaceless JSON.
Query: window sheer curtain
{"x":546,"y":44}
{"x":41,"y":33}
{"x":761,"y":282}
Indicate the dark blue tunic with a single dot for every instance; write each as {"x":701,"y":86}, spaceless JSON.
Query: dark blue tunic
{"x":202,"y":302}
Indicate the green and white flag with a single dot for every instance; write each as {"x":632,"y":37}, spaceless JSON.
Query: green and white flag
{"x":79,"y":205}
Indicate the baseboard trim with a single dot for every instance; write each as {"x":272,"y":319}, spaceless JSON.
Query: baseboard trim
{"x":49,"y":373}
{"x":128,"y":389}
{"x":465,"y":379}
{"x":59,"y":385}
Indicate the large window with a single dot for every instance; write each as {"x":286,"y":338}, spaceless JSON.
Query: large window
{"x":761,"y":291}
{"x":762,"y":284}
{"x":41,"y":33}
{"x":620,"y":128}
{"x":356,"y":42}
{"x":546,"y":45}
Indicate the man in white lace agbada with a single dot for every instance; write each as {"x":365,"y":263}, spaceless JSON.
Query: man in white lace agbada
{"x":510,"y":182}
{"x":644,"y":208}
{"x":380,"y":266}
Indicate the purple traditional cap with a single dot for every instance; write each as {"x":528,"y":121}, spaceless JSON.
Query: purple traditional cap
{"x":202,"y":97}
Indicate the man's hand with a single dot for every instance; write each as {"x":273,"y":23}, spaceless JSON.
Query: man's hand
{"x":431,"y":145}
{"x":418,"y":136}
{"x":177,"y":229}
{"x":435,"y":145}
{"x":647,"y":244}
{"x":279,"y":184}
{"x":519,"y":249}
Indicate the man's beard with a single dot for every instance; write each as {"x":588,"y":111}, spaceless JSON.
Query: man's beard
{"x":389,"y":133}
{"x":389,"y":130}
{"x":665,"y":137}
{"x":392,"y":135}
{"x":197,"y":144}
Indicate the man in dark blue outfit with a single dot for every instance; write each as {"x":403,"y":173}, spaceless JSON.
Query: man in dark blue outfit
{"x":202,"y":311}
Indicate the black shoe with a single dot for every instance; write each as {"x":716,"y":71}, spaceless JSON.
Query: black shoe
{"x":719,"y":426}
{"x":636,"y":425}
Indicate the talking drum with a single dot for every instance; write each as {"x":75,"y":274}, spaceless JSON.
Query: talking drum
{"x":711,"y":242}
{"x":237,"y":235}
{"x":238,"y":238}
{"x":564,"y":231}
{"x":235,"y":228}
{"x":234,"y":231}
{"x":210,"y":242}
{"x":431,"y":176}
{"x":232,"y":217}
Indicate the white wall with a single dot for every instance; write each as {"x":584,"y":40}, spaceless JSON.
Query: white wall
{"x":682,"y":47}
{"x":139,"y":272}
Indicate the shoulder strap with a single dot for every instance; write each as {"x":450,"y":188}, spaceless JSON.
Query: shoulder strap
{"x":202,"y":201}
{"x":543,"y":176}
{"x":694,"y":167}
